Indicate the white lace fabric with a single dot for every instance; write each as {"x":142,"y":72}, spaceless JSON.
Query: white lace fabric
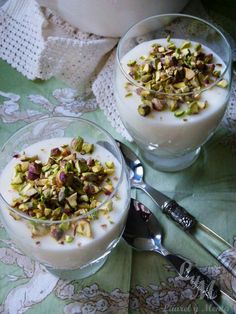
{"x":39,"y":44}
{"x":21,"y":40}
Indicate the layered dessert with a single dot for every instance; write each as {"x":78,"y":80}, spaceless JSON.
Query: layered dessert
{"x":171,"y":95}
{"x":61,"y":189}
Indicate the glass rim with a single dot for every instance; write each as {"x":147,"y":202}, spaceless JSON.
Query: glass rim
{"x":109,"y":197}
{"x":138,"y":85}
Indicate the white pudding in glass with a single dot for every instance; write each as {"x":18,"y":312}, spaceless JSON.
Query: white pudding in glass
{"x":162,"y":130}
{"x":62,"y":255}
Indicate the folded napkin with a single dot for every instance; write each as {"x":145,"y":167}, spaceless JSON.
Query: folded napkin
{"x":39,"y":44}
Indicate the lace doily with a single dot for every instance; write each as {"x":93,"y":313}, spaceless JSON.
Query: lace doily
{"x":21,"y":38}
{"x":40,"y":45}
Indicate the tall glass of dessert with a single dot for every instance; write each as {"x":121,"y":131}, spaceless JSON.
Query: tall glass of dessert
{"x":64,"y":197}
{"x":172,"y":84}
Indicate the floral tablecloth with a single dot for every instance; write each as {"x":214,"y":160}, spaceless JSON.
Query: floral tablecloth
{"x":130,"y":281}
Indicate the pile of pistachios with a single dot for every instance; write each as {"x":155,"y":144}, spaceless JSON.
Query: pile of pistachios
{"x":173,"y":77}
{"x":66,"y":186}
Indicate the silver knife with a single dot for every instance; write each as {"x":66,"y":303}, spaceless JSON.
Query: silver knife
{"x":216,"y":246}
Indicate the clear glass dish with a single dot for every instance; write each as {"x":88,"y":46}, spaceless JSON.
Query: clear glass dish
{"x":85,"y":254}
{"x":169,"y":138}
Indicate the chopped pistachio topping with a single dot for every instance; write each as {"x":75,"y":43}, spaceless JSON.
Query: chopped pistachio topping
{"x":84,"y":228}
{"x":69,"y":238}
{"x":64,"y":187}
{"x":128,"y":94}
{"x":166,"y":70}
{"x":179,"y":113}
{"x":77,"y":144}
{"x":144,"y":110}
{"x":223,"y":84}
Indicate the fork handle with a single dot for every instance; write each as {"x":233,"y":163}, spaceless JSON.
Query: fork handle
{"x":187,"y":271}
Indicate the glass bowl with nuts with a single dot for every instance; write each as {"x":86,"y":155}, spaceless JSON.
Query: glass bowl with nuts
{"x":63,"y":196}
{"x":172,"y":84}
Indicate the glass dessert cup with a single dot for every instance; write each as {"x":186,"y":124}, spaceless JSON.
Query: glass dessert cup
{"x":170,"y":115}
{"x":74,"y":251}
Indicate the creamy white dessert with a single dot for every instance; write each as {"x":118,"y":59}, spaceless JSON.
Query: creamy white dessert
{"x":110,"y":18}
{"x":170,"y":134}
{"x":74,"y":249}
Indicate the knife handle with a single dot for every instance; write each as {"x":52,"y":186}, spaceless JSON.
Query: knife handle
{"x":187,"y":271}
{"x":207,"y":238}
{"x":213,"y":243}
{"x":178,"y":214}
{"x":169,"y":207}
{"x":216,"y":246}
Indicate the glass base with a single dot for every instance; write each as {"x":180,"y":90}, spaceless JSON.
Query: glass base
{"x":170,"y":163}
{"x":79,"y":273}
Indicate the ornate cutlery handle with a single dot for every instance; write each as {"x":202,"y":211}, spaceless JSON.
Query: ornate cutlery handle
{"x":209,"y":240}
{"x":170,"y":207}
{"x":205,"y":286}
{"x":179,"y":214}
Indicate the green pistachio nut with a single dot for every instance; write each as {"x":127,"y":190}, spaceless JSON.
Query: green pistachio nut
{"x":144,"y":110}
{"x":69,"y":238}
{"x":186,"y":44}
{"x":72,"y":200}
{"x":77,"y":143}
{"x":223,"y":83}
{"x":179,"y":113}
{"x":87,"y":148}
